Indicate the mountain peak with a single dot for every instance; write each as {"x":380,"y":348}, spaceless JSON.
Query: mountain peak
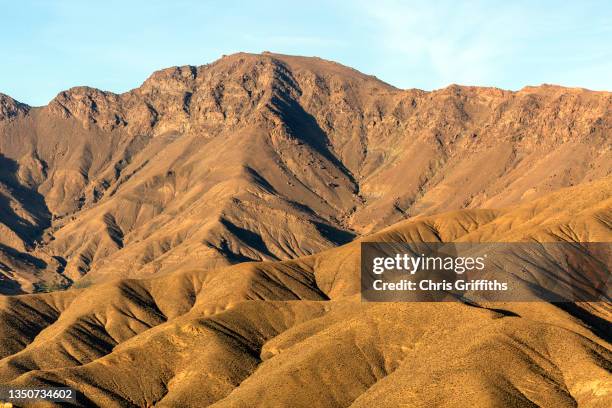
{"x":10,"y":108}
{"x":173,"y":79}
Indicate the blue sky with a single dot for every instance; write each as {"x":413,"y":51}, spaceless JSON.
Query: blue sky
{"x":49,"y":46}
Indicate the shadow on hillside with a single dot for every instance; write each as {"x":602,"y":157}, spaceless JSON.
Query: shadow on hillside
{"x":250,"y":238}
{"x":23,"y":257}
{"x":304,"y":126}
{"x":333,"y":234}
{"x":601,"y":327}
{"x":28,"y":198}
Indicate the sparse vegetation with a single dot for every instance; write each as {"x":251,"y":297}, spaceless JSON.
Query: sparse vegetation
{"x":44,"y":287}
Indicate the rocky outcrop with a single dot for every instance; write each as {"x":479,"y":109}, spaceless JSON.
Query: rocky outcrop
{"x":269,"y":157}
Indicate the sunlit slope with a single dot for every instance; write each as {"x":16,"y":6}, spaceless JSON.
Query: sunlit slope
{"x":264,"y":158}
{"x":295,"y":333}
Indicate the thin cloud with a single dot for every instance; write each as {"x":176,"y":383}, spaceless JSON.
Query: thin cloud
{"x":504,"y":44}
{"x":454,"y":41}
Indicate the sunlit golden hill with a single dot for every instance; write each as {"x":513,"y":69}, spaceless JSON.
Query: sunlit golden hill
{"x":295,"y":333}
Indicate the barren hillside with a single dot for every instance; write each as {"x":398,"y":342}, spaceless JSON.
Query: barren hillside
{"x":267,"y":157}
{"x":294,"y":333}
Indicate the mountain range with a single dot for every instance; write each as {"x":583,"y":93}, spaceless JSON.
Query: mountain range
{"x":195,"y":241}
{"x":268,"y":157}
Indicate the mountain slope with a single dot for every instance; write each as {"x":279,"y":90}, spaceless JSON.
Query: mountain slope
{"x":295,"y":332}
{"x":267,"y":157}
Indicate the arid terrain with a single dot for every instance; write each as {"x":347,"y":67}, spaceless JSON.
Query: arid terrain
{"x":195,"y":241}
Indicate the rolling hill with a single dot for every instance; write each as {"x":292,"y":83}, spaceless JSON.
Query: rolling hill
{"x":296,"y":333}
